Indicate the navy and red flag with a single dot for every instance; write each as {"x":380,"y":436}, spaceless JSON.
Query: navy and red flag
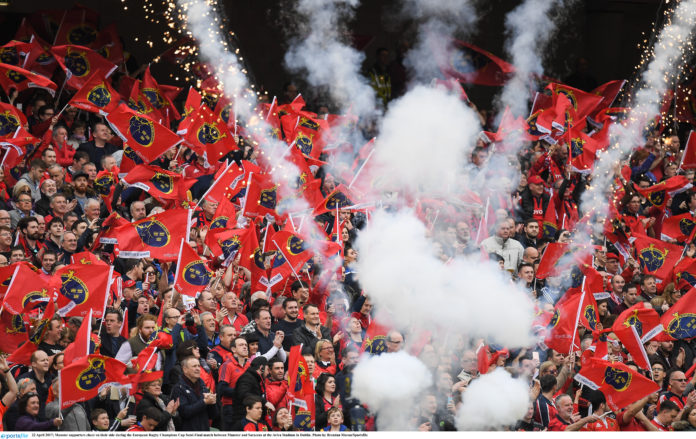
{"x":96,"y":96}
{"x":678,"y":227}
{"x":227,"y":243}
{"x":620,"y":384}
{"x":225,"y":216}
{"x":80,"y":347}
{"x":582,"y":150}
{"x":656,"y":257}
{"x":473,"y":65}
{"x":291,"y":255}
{"x":105,"y":184}
{"x":39,"y":59}
{"x":17,"y":78}
{"x":13,"y":332}
{"x":156,"y":236}
{"x":658,"y":194}
{"x":609,"y":91}
{"x":262,"y":196}
{"x":83,"y":288}
{"x":81,"y":380}
{"x":232,"y":185}
{"x":679,"y":322}
{"x":685,"y":274}
{"x":41,"y":326}
{"x":340,"y":198}
{"x":636,"y":326}
{"x":582,"y":103}
{"x":562,"y":326}
{"x":159,"y":183}
{"x":79,"y":62}
{"x":192,"y":272}
{"x":157,"y":97}
{"x":78,"y":25}
{"x":300,"y":390}
{"x":14,"y":53}
{"x":147,"y":138}
{"x":208,"y":135}
{"x":375,"y":341}
{"x":27,"y":290}
{"x":10,"y":120}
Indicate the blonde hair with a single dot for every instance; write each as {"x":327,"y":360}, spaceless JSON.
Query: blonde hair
{"x":320,"y":345}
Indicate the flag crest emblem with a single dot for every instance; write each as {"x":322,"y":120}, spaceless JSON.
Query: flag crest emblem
{"x":142,"y":130}
{"x":81,"y":35}
{"x":618,"y":379}
{"x":196,"y":273}
{"x":9,"y":55}
{"x":154,"y":97}
{"x":8,"y":123}
{"x":591,"y":316}
{"x":304,"y":143}
{"x":682,"y":326}
{"x":634,"y":321}
{"x":77,"y":63}
{"x":219,"y":223}
{"x":576,"y":147}
{"x":295,"y":245}
{"x":230,"y":246}
{"x":15,"y":76}
{"x":103,"y":184}
{"x":93,"y":376}
{"x":163,"y":182}
{"x":99,"y":96}
{"x":652,"y":258}
{"x":153,"y":233}
{"x":208,"y":133}
{"x":269,"y":197}
{"x":686,"y":226}
{"x":73,"y":288}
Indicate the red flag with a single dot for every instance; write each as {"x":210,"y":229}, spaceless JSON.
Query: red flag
{"x":14,"y":53}
{"x":105,"y":185}
{"x":582,"y":150}
{"x":375,"y":341}
{"x":192,"y":272}
{"x":563,"y":324}
{"x":582,"y":103}
{"x":157,"y":97}
{"x":679,"y":227}
{"x":300,"y":390}
{"x":261,"y":196}
{"x":688,"y":160}
{"x":291,"y":255}
{"x":656,"y":257}
{"x":79,"y":348}
{"x":124,"y":326}
{"x":158,"y":182}
{"x":473,"y":65}
{"x":13,"y":77}
{"x":23,"y":354}
{"x":27,"y":291}
{"x":96,"y":95}
{"x":679,"y":322}
{"x":685,"y":273}
{"x":147,"y":138}
{"x":13,"y":332}
{"x":225,"y":216}
{"x":340,"y":198}
{"x":81,"y":380}
{"x":78,"y":26}
{"x":86,"y":258}
{"x":10,"y":119}
{"x":39,"y":60}
{"x":83,"y":288}
{"x":657,"y":194}
{"x":609,"y":91}
{"x":620,"y":384}
{"x":635,"y":327}
{"x":109,"y":45}
{"x":79,"y":62}
{"x":156,"y":236}
{"x":228,"y":243}
{"x":556,"y":259}
{"x":208,"y":135}
{"x":232,"y":185}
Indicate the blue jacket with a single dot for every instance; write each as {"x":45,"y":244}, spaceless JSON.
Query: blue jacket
{"x":195,"y":414}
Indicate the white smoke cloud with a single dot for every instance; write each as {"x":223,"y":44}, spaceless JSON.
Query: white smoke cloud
{"x":389,"y":385}
{"x":530,"y":27}
{"x":439,"y":22}
{"x":493,"y":401}
{"x":399,"y":272}
{"x":326,"y":59}
{"x":659,"y":75}
{"x":424,"y":139}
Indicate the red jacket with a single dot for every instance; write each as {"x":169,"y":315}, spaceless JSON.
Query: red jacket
{"x":277,"y":393}
{"x":229,"y":372}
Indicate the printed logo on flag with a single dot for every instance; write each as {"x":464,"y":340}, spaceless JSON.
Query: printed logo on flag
{"x":219,"y":222}
{"x":686,"y":226}
{"x":376,"y":345}
{"x":295,"y":245}
{"x":652,"y":258}
{"x":91,"y":377}
{"x":73,"y":288}
{"x":15,"y":76}
{"x":130,"y":153}
{"x":8,"y":123}
{"x":682,"y":326}
{"x":81,"y":35}
{"x":99,"y":96}
{"x":570,"y":95}
{"x":591,"y":315}
{"x":309,"y":123}
{"x":77,"y":63}
{"x":634,"y":321}
{"x":269,"y":197}
{"x":208,"y":133}
{"x":549,"y":229}
{"x":554,"y":319}
{"x":618,"y":379}
{"x":196,"y":273}
{"x":259,"y":259}
{"x":576,"y":277}
{"x":225,"y":113}
{"x":154,"y":97}
{"x":16,"y":325}
{"x":532,"y":123}
{"x":138,"y":106}
{"x":103,"y":184}
{"x":338,"y":200}
{"x":9,"y":55}
{"x":657,"y":198}
{"x":230,"y":246}
{"x":279,"y":259}
{"x":163,"y":182}
{"x":687,"y":277}
{"x":577,"y":146}
{"x":141,"y":130}
{"x":210,"y":100}
{"x":36,"y":296}
{"x":304,"y":143}
{"x":153,"y":233}
{"x":44,"y":59}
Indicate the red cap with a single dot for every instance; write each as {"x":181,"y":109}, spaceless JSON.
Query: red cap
{"x":612,"y":256}
{"x":535,"y":179}
{"x":130,"y":283}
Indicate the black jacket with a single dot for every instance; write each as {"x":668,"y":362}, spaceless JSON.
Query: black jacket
{"x":250,"y":383}
{"x":110,"y":345}
{"x":194,"y":412}
{"x":149,"y":401}
{"x":307,"y":338}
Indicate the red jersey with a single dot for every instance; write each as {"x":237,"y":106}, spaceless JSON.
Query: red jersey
{"x":248,"y":425}
{"x":230,"y":371}
{"x":659,"y":426}
{"x":136,"y":427}
{"x":604,"y":424}
{"x":557,"y":424}
{"x":238,"y":321}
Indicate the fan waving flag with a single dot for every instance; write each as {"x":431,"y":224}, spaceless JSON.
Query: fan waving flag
{"x":79,"y":63}
{"x":679,"y":321}
{"x":13,"y":332}
{"x":635,"y":327}
{"x":582,"y":150}
{"x":340,"y":198}
{"x":10,"y":119}
{"x":27,"y":290}
{"x":156,"y":236}
{"x":96,"y":95}
{"x":83,"y":288}
{"x":657,"y":194}
{"x":192,"y":272}
{"x":209,"y":135}
{"x":158,"y":182}
{"x":105,"y":185}
{"x":261,"y":196}
{"x":147,"y":138}
{"x":81,"y":380}
{"x":13,"y":77}
{"x":473,"y":65}
{"x":656,"y":257}
{"x":375,"y":341}
{"x":80,"y":347}
{"x":620,"y":384}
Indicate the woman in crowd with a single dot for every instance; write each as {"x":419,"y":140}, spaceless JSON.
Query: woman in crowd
{"x":29,"y":415}
{"x":326,"y":397}
{"x":152,"y":396}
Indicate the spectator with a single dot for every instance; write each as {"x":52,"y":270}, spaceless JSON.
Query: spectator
{"x":250,"y":383}
{"x":196,"y":403}
{"x":152,"y":398}
{"x":29,"y":407}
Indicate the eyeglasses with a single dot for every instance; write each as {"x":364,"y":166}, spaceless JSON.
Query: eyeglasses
{"x":150,"y":273}
{"x":680,"y":380}
{"x":552,"y":371}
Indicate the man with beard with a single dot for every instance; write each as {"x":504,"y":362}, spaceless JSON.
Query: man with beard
{"x":29,"y":238}
{"x":289,"y":323}
{"x":276,"y":385}
{"x":81,"y":189}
